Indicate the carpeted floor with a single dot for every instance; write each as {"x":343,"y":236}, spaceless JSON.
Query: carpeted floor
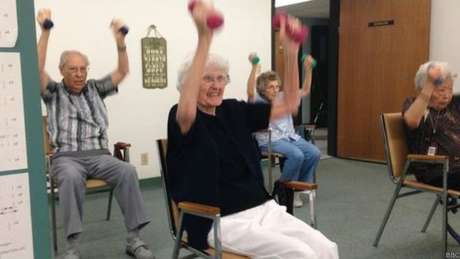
{"x":351,"y":201}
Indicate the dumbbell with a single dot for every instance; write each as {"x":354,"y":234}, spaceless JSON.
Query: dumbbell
{"x":47,"y":24}
{"x":438,"y":81}
{"x":254,"y":58}
{"x":313,"y":61}
{"x":298,"y":36}
{"x":124,"y":30}
{"x":214,"y":19}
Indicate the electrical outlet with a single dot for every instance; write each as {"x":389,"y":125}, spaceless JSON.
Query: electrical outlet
{"x":144,"y":158}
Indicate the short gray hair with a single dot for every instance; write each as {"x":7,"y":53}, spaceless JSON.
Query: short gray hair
{"x":422,"y":73}
{"x":65,"y":57}
{"x":213,"y":59}
{"x":263,"y":80}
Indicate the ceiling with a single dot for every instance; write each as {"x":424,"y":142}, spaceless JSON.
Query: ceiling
{"x":311,"y":9}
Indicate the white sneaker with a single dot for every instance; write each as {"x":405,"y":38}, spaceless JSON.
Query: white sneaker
{"x":297,"y":201}
{"x":305,"y":195}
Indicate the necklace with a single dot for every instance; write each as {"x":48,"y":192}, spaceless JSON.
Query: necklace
{"x":434,"y":123}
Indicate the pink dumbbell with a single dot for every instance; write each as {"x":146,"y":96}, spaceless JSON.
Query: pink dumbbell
{"x":214,"y":19}
{"x":298,"y":36}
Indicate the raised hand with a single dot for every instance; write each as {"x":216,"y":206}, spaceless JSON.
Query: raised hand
{"x":294,"y":26}
{"x":200,"y":12}
{"x":44,"y":19}
{"x":119,"y":28}
{"x":308,"y":63}
{"x":435,"y":75}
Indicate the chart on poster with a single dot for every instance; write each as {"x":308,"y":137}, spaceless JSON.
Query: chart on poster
{"x":13,"y":153}
{"x":8,"y":24}
{"x":15,"y":217}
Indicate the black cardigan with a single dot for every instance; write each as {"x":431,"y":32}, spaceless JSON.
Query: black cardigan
{"x":194,"y":166}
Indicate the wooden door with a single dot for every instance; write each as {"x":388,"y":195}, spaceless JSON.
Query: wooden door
{"x":381,"y":45}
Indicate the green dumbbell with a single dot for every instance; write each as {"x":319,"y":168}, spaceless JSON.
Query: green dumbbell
{"x":313,"y":62}
{"x":254,"y":58}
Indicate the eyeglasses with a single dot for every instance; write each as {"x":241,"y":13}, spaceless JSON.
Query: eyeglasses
{"x":219,"y":79}
{"x":76,"y":70}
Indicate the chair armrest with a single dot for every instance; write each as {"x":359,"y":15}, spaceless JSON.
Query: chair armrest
{"x":199,"y":209}
{"x":427,"y":158}
{"x":122,"y":145}
{"x":300,"y":186}
{"x":118,"y":148}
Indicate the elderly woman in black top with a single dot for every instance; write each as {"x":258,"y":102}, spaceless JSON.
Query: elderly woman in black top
{"x":432,"y":120}
{"x":212,"y":158}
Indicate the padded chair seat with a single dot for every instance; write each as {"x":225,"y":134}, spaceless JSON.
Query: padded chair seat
{"x":95,"y":183}
{"x":418,"y":185}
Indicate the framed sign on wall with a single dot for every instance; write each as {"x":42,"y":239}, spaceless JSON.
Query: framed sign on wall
{"x":154,"y":60}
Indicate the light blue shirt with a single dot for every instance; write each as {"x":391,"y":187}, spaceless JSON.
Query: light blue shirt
{"x":282,"y":128}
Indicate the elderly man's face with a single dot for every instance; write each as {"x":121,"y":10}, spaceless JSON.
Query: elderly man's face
{"x":74,"y":72}
{"x":442,"y":95}
{"x":212,"y":87}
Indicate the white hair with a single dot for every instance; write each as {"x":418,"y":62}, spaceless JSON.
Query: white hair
{"x":213,"y":60}
{"x":422,"y":73}
{"x":65,"y":56}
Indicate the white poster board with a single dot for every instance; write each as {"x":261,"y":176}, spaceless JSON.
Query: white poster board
{"x":15,"y":217}
{"x":13,"y":153}
{"x":8,"y":24}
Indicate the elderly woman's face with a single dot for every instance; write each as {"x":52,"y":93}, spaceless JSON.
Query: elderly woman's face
{"x":212,"y":87}
{"x":442,"y":95}
{"x":271,"y":90}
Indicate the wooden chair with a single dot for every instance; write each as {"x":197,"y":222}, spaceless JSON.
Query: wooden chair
{"x":121,"y":151}
{"x":176,"y":212}
{"x":398,"y":161}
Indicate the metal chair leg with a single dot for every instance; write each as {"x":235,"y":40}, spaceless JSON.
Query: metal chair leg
{"x":53,"y":214}
{"x":217,"y":238}
{"x":387,"y":214}
{"x":444,"y":208}
{"x":109,"y":206}
{"x":433,"y":209}
{"x":270,"y":174}
{"x":312,"y":198}
{"x":177,"y":244}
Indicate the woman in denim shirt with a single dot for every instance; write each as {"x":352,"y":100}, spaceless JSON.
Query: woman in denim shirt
{"x":302,"y":157}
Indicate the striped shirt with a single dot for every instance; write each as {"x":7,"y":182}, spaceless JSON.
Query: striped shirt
{"x":78,"y":122}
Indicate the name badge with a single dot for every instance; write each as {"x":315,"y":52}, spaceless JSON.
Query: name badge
{"x":431,"y":151}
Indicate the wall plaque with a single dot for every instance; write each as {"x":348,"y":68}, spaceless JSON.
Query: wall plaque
{"x":154,"y":60}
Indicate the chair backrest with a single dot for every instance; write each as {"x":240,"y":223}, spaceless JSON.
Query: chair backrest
{"x":47,"y":148}
{"x":396,"y":149}
{"x":173,"y":212}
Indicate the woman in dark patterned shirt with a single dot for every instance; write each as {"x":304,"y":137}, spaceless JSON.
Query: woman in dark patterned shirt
{"x":432,"y":121}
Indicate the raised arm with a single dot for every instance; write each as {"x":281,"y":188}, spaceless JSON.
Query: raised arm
{"x":290,"y":101}
{"x":307,"y":68}
{"x":123,"y":63}
{"x":42,"y":46}
{"x":187,"y":106}
{"x":417,"y":109}
{"x":251,"y":84}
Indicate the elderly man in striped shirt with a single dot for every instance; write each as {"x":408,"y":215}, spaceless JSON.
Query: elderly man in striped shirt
{"x":77,"y":125}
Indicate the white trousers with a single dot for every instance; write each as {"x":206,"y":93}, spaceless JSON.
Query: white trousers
{"x":268,"y":231}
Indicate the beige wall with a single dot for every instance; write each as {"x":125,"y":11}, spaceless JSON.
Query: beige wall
{"x":445,"y":34}
{"x":138,"y":115}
